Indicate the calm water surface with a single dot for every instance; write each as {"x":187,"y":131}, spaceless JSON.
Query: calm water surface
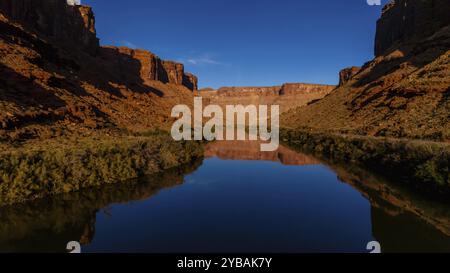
{"x":236,"y":200}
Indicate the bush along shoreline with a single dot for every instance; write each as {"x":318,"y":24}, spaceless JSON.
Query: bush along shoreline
{"x":423,"y":165}
{"x":27,"y":174}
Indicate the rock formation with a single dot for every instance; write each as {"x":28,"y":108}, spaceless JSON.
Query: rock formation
{"x":404,"y":91}
{"x":288,"y":96}
{"x":409,"y":21}
{"x":151,"y":67}
{"x":347,"y":74}
{"x":74,"y":25}
{"x":190,"y":81}
{"x":56,"y":79}
{"x":56,"y":19}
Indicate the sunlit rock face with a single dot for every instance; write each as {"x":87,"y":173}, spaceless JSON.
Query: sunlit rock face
{"x":346,"y":74}
{"x":287,"y":96}
{"x":136,"y":65}
{"x":55,"y":75}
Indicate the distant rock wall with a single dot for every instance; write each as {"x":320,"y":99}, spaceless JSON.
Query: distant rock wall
{"x":141,"y":65}
{"x":406,"y":21}
{"x":296,"y":89}
{"x":288,"y":96}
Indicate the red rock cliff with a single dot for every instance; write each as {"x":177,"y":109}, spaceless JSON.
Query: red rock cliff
{"x":405,"y":21}
{"x":404,"y":91}
{"x":287,"y":96}
{"x":151,"y":67}
{"x":305,"y":88}
{"x":56,"y":80}
{"x":347,"y":74}
{"x":73,"y":25}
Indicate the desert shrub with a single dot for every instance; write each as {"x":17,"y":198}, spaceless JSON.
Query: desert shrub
{"x":420,"y":163}
{"x":31,"y":173}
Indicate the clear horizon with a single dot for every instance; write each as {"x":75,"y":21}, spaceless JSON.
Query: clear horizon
{"x":246,"y":43}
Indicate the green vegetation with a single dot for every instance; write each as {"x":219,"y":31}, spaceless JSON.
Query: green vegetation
{"x":34,"y":171}
{"x":422,"y":164}
{"x":72,"y":215}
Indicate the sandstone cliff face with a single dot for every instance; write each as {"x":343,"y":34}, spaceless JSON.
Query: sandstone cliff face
{"x":287,"y":96}
{"x":174,"y":72}
{"x":141,"y":65}
{"x":249,"y":91}
{"x":408,"y":21}
{"x":346,"y":74}
{"x":298,"y":89}
{"x":56,"y":80}
{"x":190,"y":81}
{"x":404,"y":91}
{"x":74,"y":25}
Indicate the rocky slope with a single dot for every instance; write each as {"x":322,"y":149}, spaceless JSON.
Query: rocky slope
{"x":56,"y":79}
{"x":404,"y":91}
{"x":288,"y":96}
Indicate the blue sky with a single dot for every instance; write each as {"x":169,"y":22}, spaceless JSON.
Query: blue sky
{"x":246,"y":42}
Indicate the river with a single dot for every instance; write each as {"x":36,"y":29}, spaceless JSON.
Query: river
{"x":237,"y":199}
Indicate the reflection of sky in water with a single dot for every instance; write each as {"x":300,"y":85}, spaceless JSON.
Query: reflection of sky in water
{"x":235,"y":206}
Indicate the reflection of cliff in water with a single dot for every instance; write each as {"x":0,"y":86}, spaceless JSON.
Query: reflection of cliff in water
{"x":402,"y":220}
{"x":47,"y":225}
{"x":251,"y":150}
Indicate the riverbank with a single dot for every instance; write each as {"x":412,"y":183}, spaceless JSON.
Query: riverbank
{"x":423,"y":165}
{"x":73,"y":215}
{"x":33,"y":170}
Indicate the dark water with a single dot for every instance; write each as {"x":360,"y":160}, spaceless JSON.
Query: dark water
{"x":236,"y":200}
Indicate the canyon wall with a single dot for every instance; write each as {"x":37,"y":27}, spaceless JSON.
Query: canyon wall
{"x":73,"y":25}
{"x":288,"y":96}
{"x":190,"y":81}
{"x":141,"y":65}
{"x":404,"y":91}
{"x":405,"y":21}
{"x":55,"y":78}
